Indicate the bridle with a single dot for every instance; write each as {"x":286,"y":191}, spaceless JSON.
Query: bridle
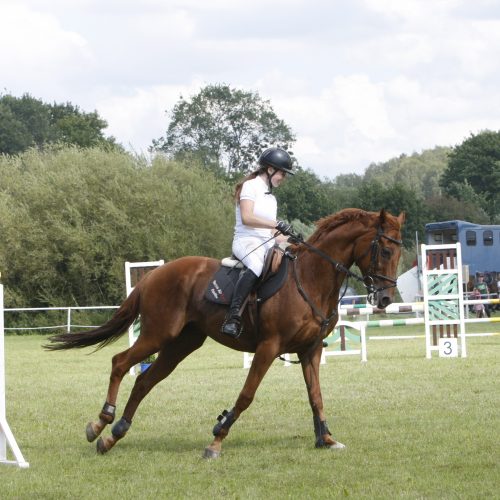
{"x":368,"y":279}
{"x":372,"y":274}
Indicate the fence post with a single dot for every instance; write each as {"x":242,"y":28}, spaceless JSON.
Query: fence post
{"x":6,"y":436}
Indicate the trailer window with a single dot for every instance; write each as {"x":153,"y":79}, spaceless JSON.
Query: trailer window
{"x":488,"y":238}
{"x":470,"y":238}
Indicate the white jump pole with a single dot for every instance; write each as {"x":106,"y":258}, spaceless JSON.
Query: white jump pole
{"x":6,"y":436}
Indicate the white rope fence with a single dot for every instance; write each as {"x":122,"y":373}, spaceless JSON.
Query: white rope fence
{"x":68,"y":310}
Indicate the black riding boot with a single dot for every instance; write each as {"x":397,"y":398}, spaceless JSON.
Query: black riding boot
{"x":244,"y":285}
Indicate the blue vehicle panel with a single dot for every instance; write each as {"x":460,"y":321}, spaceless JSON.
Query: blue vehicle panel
{"x":480,"y":243}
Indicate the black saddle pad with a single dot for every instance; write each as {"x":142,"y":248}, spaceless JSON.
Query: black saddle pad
{"x":221,"y":287}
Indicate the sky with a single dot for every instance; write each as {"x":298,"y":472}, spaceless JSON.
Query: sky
{"x":358,"y":81}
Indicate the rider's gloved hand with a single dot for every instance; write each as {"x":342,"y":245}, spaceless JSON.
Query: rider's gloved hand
{"x":284,"y":228}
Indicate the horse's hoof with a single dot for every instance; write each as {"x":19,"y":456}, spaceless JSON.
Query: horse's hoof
{"x":209,"y":453}
{"x":90,"y":433}
{"x":337,"y":446}
{"x":101,"y":447}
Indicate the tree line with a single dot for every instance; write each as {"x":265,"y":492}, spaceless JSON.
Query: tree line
{"x":73,"y":210}
{"x":29,"y":122}
{"x":71,"y":217}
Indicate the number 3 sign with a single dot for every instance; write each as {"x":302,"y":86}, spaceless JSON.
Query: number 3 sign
{"x":448,"y":348}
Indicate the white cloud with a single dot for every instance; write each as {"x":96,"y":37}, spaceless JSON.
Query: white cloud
{"x":137,"y":118}
{"x":413,"y":10}
{"x":176,"y":25}
{"x":364,"y":106}
{"x":341,"y":129}
{"x":36,"y":50}
{"x":358,"y":81}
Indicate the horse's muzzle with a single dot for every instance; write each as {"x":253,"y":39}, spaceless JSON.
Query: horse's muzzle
{"x":379,"y":298}
{"x":383,"y":300}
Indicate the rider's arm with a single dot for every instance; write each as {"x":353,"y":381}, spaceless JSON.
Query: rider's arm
{"x":250,"y":219}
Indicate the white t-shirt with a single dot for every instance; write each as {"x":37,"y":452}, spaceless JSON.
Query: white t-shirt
{"x":265,"y":206}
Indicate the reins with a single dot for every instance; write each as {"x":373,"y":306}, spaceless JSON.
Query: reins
{"x":374,"y":248}
{"x":253,"y":250}
{"x":338,"y":266}
{"x":325,"y":321}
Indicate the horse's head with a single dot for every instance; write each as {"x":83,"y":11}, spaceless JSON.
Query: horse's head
{"x":379,"y":251}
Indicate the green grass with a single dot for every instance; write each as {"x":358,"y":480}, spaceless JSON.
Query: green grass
{"x":414,"y":428}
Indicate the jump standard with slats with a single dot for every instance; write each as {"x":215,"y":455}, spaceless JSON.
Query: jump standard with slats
{"x":443,"y":298}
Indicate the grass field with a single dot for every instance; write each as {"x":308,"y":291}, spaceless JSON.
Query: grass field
{"x":414,"y":428}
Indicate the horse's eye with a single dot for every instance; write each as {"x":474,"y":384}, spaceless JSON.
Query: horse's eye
{"x":386,"y":253}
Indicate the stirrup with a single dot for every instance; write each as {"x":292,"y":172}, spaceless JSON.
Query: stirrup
{"x":232,"y":326}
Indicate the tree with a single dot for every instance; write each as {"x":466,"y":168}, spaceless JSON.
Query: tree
{"x":24,"y":122}
{"x":421,"y":171}
{"x":344,"y":190}
{"x":449,"y":208}
{"x":224,"y":128}
{"x":70,"y":218}
{"x":28,"y":122}
{"x":303,"y":197}
{"x":72,"y":126}
{"x":395,"y":198}
{"x":475,"y":165}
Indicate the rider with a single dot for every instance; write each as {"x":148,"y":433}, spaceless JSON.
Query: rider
{"x":256,"y":211}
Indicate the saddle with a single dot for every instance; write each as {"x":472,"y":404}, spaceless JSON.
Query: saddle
{"x":221,"y":286}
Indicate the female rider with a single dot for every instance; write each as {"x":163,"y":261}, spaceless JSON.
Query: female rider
{"x":256,"y":211}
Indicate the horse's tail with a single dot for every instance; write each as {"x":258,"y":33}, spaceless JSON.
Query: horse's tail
{"x":103,"y":335}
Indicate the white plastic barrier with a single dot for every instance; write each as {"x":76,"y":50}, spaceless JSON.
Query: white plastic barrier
{"x":6,"y":436}
{"x":327,"y":351}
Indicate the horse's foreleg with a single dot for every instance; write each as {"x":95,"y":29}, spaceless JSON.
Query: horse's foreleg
{"x":168,"y":358}
{"x":310,"y":368}
{"x":264,"y":356}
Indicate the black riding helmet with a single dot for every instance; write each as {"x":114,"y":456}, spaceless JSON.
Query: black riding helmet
{"x":277,"y":158}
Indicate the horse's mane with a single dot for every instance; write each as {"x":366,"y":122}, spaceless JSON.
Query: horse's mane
{"x":331,"y":222}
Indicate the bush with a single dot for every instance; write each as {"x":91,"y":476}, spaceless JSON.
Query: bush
{"x":71,"y":217}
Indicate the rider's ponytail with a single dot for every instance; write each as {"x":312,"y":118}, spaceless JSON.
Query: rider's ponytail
{"x":253,"y":175}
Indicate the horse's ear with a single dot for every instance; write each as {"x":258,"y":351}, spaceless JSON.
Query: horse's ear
{"x":401,"y":218}
{"x":382,"y":216}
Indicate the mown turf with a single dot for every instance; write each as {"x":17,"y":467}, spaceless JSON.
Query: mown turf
{"x":414,"y":428}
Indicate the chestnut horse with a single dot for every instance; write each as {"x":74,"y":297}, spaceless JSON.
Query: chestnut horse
{"x":176,"y":318}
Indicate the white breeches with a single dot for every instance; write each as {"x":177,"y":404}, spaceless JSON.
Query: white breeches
{"x":252,"y":252}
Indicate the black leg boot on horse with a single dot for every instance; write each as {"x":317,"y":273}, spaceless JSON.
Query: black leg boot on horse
{"x":244,"y":285}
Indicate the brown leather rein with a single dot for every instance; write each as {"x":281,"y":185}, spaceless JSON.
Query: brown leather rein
{"x":368,"y":280}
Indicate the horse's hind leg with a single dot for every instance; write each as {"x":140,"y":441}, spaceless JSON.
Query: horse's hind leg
{"x":149,"y":342}
{"x":121,"y":364}
{"x":168,"y":358}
